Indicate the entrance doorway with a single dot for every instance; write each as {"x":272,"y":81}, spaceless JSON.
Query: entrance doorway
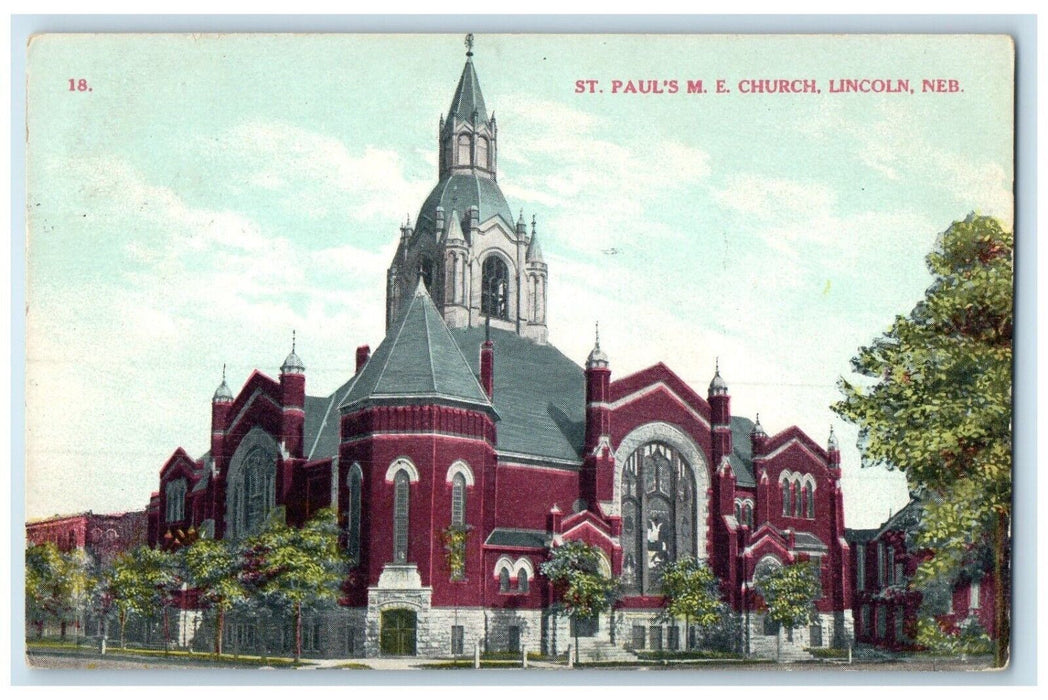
{"x":398,"y":632}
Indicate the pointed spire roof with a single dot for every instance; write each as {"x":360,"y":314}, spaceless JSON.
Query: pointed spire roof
{"x":418,"y":360}
{"x":534,"y":253}
{"x":758,"y":429}
{"x":831,"y":443}
{"x":597,"y":357}
{"x":455,"y":229}
{"x":717,"y":385}
{"x":222,"y":393}
{"x":468,"y":98}
{"x":292,"y":363}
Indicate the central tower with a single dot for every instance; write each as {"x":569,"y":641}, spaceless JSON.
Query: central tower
{"x":465,"y":247}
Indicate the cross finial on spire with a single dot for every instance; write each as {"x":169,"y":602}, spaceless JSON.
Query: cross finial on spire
{"x":469,"y":44}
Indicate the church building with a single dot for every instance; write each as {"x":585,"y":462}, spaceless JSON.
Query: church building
{"x":466,"y":417}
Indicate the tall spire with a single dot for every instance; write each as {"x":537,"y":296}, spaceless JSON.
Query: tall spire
{"x":468,"y":99}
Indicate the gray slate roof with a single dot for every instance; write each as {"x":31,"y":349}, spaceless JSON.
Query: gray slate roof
{"x":741,"y":458}
{"x":459,"y":192}
{"x":806,"y":540}
{"x":540,"y":394}
{"x":418,"y":360}
{"x":514,"y":537}
{"x":468,"y":98}
{"x":321,"y":430}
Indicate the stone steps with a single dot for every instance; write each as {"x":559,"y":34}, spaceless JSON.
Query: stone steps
{"x":597,"y":649}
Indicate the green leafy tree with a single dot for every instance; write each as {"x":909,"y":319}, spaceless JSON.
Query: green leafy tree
{"x":936,"y":402}
{"x":581,"y":591}
{"x":46,"y":589}
{"x":154,"y":578}
{"x":213,"y":568}
{"x":790,"y":592}
{"x":692,"y":592}
{"x":80,"y":583}
{"x":296,"y":567}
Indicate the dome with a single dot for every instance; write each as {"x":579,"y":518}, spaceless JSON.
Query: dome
{"x":718,"y":385}
{"x":597,"y":357}
{"x":222,"y":393}
{"x":832,"y":444}
{"x":460,"y":191}
{"x":292,"y":363}
{"x":758,"y":429}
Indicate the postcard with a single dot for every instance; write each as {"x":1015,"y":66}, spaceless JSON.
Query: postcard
{"x":389,"y":351}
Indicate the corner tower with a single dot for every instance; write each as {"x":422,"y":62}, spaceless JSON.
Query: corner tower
{"x":476,"y":262}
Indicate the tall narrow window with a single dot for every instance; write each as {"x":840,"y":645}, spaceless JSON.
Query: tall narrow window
{"x":495,"y":290}
{"x":785,"y":497}
{"x":522,"y":581}
{"x":802,"y":499}
{"x":458,"y":500}
{"x":811,"y":502}
{"x":401,"y":486}
{"x":463,"y":150}
{"x":973,"y":595}
{"x":353,"y":536}
{"x":482,"y":153}
{"x":504,"y":580}
{"x":175,"y":493}
{"x":860,"y":566}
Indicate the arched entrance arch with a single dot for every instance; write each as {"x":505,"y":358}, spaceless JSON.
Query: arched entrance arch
{"x":660,"y":492}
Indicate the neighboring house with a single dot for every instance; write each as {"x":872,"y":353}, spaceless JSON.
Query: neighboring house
{"x":884,"y":608}
{"x":466,"y":417}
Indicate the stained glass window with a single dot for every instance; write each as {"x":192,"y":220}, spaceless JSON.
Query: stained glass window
{"x":495,"y":293}
{"x":658,"y":514}
{"x":401,"y":487}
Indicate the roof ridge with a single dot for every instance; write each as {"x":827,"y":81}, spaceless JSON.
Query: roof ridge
{"x":476,"y":379}
{"x":396,"y":339}
{"x":429,"y":346}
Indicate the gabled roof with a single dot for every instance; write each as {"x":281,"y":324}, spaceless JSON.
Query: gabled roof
{"x":539,"y":393}
{"x":741,"y":457}
{"x":468,"y":98}
{"x":418,"y":360}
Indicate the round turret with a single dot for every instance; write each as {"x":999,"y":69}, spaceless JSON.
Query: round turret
{"x":292,"y":363}
{"x":718,"y":387}
{"x":222,"y":393}
{"x":597,"y":357}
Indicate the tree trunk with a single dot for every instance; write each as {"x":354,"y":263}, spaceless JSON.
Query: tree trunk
{"x":298,"y":631}
{"x":167,"y":632}
{"x":123,"y":625}
{"x":1001,"y":625}
{"x":220,"y":616}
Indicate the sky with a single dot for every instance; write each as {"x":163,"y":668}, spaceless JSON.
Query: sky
{"x":206,"y":195}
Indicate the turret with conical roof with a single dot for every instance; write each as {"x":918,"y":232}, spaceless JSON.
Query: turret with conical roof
{"x":293,"y":401}
{"x":720,"y":414}
{"x":221,"y":403}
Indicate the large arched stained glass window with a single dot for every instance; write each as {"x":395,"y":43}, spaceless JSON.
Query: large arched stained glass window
{"x":658,"y":514}
{"x":495,"y":291}
{"x":253,"y":493}
{"x":401,"y":502}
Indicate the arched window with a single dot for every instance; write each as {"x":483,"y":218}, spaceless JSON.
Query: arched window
{"x":658,"y":514}
{"x":786,"y":509}
{"x":504,"y":580}
{"x":401,"y":493}
{"x":175,"y":495}
{"x":811,"y":501}
{"x":353,"y":511}
{"x":522,"y":581}
{"x":458,"y":500}
{"x":801,"y":502}
{"x":482,"y":153}
{"x":258,"y":490}
{"x":495,"y":288}
{"x":463,"y":150}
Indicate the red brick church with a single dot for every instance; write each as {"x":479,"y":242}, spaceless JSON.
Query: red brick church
{"x":465,"y":415}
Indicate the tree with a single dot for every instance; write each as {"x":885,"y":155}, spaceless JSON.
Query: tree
{"x":80,"y":584}
{"x":213,"y":569}
{"x":296,"y":566}
{"x":581,"y":590}
{"x":936,"y":403}
{"x":46,"y":589}
{"x":692,"y":592}
{"x":789,"y":593}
